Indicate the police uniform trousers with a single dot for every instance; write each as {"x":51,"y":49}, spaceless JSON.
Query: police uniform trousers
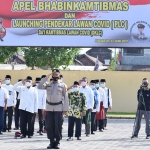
{"x":1,"y":118}
{"x":8,"y":112}
{"x":54,"y":125}
{"x":17,"y":114}
{"x":93,"y":121}
{"x":27,"y":119}
{"x":41,"y":122}
{"x":138,"y":121}
{"x":78,"y":124}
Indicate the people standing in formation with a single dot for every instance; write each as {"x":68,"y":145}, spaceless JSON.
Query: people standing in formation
{"x":51,"y":100}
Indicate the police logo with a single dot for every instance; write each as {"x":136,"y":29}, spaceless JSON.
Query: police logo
{"x":140,"y":32}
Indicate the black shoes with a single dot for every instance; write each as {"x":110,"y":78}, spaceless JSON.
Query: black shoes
{"x":53,"y":145}
{"x":1,"y":133}
{"x":22,"y":136}
{"x":29,"y":137}
{"x":40,"y":133}
{"x":134,"y":136}
{"x":92,"y":133}
{"x":78,"y":138}
{"x":70,"y":139}
{"x":16,"y":128}
{"x":87,"y":135}
{"x":148,"y":137}
{"x":101,"y":130}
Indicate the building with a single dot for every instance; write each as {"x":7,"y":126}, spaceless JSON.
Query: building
{"x":135,"y":59}
{"x":87,"y":60}
{"x":104,"y":54}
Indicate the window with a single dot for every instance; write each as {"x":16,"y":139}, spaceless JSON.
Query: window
{"x":133,"y":52}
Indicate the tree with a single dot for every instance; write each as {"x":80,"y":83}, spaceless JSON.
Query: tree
{"x":112,"y":63}
{"x":51,"y":57}
{"x":7,"y":52}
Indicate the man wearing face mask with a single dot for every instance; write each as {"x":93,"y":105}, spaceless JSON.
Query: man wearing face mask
{"x":10,"y":104}
{"x":41,"y":105}
{"x":56,"y":105}
{"x":143,"y":97}
{"x":89,"y":94}
{"x":100,"y":116}
{"x":3,"y":105}
{"x":96,"y":106}
{"x":77,"y":109}
{"x":108,"y":100}
{"x":28,"y":105}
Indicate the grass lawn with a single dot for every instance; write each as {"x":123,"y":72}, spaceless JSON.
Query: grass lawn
{"x":121,"y":114}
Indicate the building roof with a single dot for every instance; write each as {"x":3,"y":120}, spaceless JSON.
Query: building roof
{"x":133,"y":68}
{"x":93,"y":59}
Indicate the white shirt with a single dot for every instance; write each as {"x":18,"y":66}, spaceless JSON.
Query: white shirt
{"x":12,"y":95}
{"x":28,"y":97}
{"x":89,"y":94}
{"x":97,"y":109}
{"x":102,"y":97}
{"x":41,"y":98}
{"x":3,"y":96}
{"x":110,"y":97}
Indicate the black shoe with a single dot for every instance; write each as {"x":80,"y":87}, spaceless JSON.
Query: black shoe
{"x":70,"y":139}
{"x":134,"y":136}
{"x":87,"y":135}
{"x":148,"y":137}
{"x":51,"y":146}
{"x":29,"y":137}
{"x":92,"y":133}
{"x":40,"y":133}
{"x":15,"y":128}
{"x":22,"y":136}
{"x":9,"y":130}
{"x":1,"y":133}
{"x":4,"y":130}
{"x":101,"y":130}
{"x":56,"y":146}
{"x":78,"y":138}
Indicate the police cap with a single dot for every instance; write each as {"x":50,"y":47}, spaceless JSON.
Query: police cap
{"x":140,"y":26}
{"x":55,"y":71}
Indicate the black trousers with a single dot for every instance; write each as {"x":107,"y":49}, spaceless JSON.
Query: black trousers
{"x":78,"y":123}
{"x":8,"y":112}
{"x":26,"y":122}
{"x":41,"y":122}
{"x":33,"y":123}
{"x":17,"y":114}
{"x":93,"y":121}
{"x":101,"y":124}
{"x":54,"y":125}
{"x":105,"y":120}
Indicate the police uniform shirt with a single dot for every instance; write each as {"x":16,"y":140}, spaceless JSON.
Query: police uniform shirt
{"x":28,"y":97}
{"x":56,"y":92}
{"x":89,"y":94}
{"x":41,"y":98}
{"x":12,"y":95}
{"x":110,"y":97}
{"x":3,"y":96}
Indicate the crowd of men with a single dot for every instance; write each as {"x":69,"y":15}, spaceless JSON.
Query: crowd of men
{"x":84,"y":102}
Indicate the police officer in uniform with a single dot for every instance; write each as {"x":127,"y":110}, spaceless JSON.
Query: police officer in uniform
{"x":56,"y":104}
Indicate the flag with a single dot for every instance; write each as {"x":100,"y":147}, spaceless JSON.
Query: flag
{"x":96,"y":64}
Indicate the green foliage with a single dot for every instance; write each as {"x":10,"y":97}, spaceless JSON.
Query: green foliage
{"x":112,"y":63}
{"x":50,"y":57}
{"x":7,"y":52}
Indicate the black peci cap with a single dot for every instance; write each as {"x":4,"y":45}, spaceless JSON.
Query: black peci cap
{"x":92,"y":81}
{"x":43,"y":76}
{"x":102,"y":80}
{"x":19,"y":80}
{"x":29,"y":78}
{"x":76,"y":83}
{"x":38,"y":79}
{"x":8,"y":76}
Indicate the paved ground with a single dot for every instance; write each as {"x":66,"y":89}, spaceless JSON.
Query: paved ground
{"x":117,"y":137}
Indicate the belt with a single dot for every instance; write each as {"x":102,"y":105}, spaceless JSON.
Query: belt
{"x":54,"y":103}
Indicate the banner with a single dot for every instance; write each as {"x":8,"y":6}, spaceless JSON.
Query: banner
{"x":75,"y":23}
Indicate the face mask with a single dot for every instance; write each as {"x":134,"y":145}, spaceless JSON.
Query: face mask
{"x":92,"y":86}
{"x":102,"y":85}
{"x":7,"y":81}
{"x":75,"y":89}
{"x":28,"y":84}
{"x":96,"y":85}
{"x":55,"y":78}
{"x":83,"y":83}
